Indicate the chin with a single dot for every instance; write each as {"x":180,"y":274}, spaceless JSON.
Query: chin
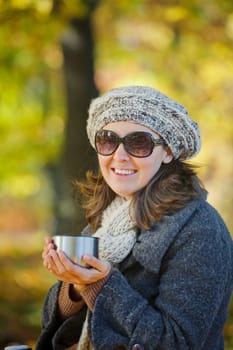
{"x":124,"y":195}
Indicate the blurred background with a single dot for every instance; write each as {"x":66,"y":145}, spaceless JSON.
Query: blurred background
{"x":55,"y":56}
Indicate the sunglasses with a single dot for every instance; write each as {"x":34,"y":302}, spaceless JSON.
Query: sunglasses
{"x":138,"y":144}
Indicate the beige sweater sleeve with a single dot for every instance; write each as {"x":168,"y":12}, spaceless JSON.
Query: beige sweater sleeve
{"x":66,"y":306}
{"x":92,"y":290}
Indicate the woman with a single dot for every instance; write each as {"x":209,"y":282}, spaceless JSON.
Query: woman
{"x":165,"y":272}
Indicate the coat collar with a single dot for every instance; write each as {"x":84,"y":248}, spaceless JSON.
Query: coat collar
{"x":152,"y":245}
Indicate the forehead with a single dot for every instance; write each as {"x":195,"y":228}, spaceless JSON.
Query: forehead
{"x":124,"y":127}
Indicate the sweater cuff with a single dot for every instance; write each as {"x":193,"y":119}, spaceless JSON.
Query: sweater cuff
{"x":66,"y":306}
{"x":90,"y":293}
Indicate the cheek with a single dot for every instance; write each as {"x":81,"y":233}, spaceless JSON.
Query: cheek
{"x":150,"y":171}
{"x":103,"y":162}
{"x":150,"y":167}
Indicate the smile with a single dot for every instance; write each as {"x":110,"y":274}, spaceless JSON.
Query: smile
{"x":124,"y":171}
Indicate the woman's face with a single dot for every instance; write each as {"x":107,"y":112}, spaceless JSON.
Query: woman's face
{"x":124,"y":173}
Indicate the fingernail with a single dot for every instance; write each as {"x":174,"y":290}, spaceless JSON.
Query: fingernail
{"x":86,"y":257}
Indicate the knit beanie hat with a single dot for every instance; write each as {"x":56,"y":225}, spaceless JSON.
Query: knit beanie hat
{"x":148,"y":107}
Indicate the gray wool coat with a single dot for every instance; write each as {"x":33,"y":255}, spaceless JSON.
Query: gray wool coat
{"x":171,"y":293}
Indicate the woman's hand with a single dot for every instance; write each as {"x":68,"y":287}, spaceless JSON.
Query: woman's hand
{"x":67,"y":271}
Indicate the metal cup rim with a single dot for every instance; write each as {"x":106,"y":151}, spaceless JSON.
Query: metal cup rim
{"x":75,"y":236}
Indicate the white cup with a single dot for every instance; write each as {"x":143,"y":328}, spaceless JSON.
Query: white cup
{"x":77,"y":246}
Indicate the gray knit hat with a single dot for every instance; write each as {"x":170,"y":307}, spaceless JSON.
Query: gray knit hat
{"x":149,"y":107}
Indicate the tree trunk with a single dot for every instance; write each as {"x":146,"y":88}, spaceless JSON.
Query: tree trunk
{"x":78,"y":156}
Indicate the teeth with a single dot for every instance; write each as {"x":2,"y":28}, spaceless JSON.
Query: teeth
{"x":124,"y":171}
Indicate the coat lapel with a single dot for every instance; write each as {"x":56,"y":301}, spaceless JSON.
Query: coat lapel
{"x":152,"y":245}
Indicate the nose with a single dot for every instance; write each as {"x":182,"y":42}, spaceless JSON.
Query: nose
{"x":120,"y":153}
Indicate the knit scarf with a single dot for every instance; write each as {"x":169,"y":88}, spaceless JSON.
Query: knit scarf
{"x":117,"y":236}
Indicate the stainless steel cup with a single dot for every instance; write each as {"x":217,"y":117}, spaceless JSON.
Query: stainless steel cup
{"x":77,"y":246}
{"x":18,"y":347}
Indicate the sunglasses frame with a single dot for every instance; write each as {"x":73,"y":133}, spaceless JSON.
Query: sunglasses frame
{"x":119,"y":140}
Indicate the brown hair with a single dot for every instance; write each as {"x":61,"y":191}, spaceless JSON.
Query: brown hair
{"x":171,"y":188}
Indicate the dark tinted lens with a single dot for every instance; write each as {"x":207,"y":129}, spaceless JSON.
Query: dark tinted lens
{"x":106,"y":142}
{"x":139,"y":144}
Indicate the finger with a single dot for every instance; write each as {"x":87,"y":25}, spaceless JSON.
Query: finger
{"x":100,"y":265}
{"x":48,"y":239}
{"x":47,"y":249}
{"x":71,"y":267}
{"x":66,"y":261}
{"x":58,"y":265}
{"x":48,"y":262}
{"x":65,"y":270}
{"x":77,"y":273}
{"x":45,"y":252}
